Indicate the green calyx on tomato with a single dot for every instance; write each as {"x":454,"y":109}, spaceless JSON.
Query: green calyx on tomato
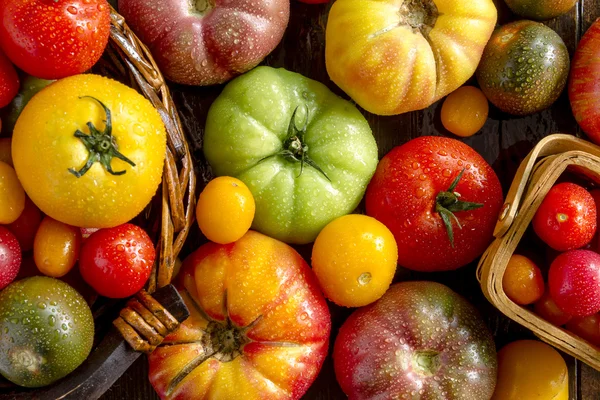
{"x":447,"y":203}
{"x":101,"y":145}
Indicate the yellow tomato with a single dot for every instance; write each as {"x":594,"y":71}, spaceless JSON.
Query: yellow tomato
{"x":465,"y":111}
{"x":64,"y":129}
{"x":5,"y":155}
{"x":12,"y":196}
{"x":56,"y":247}
{"x":523,"y":282}
{"x":531,"y":370}
{"x":225,"y":210}
{"x":354,"y":258}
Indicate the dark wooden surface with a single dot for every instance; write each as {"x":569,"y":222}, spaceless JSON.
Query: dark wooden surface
{"x":504,"y":141}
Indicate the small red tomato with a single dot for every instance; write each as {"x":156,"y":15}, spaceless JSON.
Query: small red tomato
{"x":117,"y":261}
{"x":587,"y":328}
{"x":566,"y":219}
{"x":9,"y":81}
{"x":548,"y":310}
{"x":53,"y":39}
{"x":26,"y":226}
{"x":574,"y":282}
{"x":10,"y":257}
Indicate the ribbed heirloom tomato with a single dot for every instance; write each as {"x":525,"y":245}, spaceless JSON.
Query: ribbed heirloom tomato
{"x":259,"y":326}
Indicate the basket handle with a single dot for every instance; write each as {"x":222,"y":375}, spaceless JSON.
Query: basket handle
{"x":550,"y":145}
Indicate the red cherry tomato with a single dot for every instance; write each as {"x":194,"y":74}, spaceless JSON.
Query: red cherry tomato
{"x":10,"y":257}
{"x":566,"y":219}
{"x":53,"y":39}
{"x":587,"y":328}
{"x":573,"y":280}
{"x":26,"y":226}
{"x":9,"y":81}
{"x":548,"y":310}
{"x":117,"y":261}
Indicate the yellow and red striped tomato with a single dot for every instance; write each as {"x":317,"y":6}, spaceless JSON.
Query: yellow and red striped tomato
{"x":259,"y":325}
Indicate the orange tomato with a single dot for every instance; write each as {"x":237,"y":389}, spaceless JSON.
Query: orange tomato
{"x":465,"y":111}
{"x":354,"y":258}
{"x":531,"y":370}
{"x":56,"y":247}
{"x":225,"y":210}
{"x":26,"y":226}
{"x":523,"y":282}
{"x":5,"y":155}
{"x":12,"y":195}
{"x":548,"y":310}
{"x":587,"y":328}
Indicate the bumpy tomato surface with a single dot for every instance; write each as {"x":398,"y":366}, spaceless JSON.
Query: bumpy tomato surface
{"x":62,"y":131}
{"x":54,"y":38}
{"x":259,"y":326}
{"x":393,"y":56}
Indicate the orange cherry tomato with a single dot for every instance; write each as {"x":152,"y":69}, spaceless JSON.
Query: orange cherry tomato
{"x":523,"y":282}
{"x":26,"y":226}
{"x":56,"y":247}
{"x":12,"y":195}
{"x":465,"y":111}
{"x":5,"y":155}
{"x":225,"y":210}
{"x":548,"y":310}
{"x":587,"y":328}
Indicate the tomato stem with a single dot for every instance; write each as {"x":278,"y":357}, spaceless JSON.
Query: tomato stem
{"x":102,"y":146}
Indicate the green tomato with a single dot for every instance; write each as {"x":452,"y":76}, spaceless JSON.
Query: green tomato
{"x":29,"y":87}
{"x":306,"y":154}
{"x":46,"y":331}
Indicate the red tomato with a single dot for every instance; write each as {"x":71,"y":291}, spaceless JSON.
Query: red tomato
{"x":87,"y":232}
{"x":548,"y":310}
{"x":566,"y":219}
{"x":416,"y":195}
{"x":9,"y":81}
{"x":573,"y":280}
{"x":53,"y":39}
{"x":587,"y":328}
{"x":25,"y":227}
{"x":584,"y":83}
{"x":10,"y":257}
{"x":117,"y":261}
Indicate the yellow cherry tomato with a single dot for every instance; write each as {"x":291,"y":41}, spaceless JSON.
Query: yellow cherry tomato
{"x":523,"y":282}
{"x":225,"y":210}
{"x":12,"y":195}
{"x":56,"y":247}
{"x":5,"y":155}
{"x":532,"y":370}
{"x":465,"y":111}
{"x":354,"y":258}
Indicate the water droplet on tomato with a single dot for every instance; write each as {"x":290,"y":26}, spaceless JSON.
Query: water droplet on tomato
{"x":72,"y":10}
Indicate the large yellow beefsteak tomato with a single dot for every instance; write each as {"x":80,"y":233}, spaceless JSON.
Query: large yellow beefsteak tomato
{"x":395,"y":56}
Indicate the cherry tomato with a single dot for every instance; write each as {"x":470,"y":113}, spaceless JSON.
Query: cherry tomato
{"x":9,"y":80}
{"x":26,"y":226}
{"x":10,"y":257}
{"x":354,"y":258}
{"x":225,"y":210}
{"x":117,"y":261}
{"x":5,"y":155}
{"x":522,"y":281}
{"x":548,"y":310}
{"x":12,"y":195}
{"x":566,"y":219}
{"x":573,"y":281}
{"x":56,"y":247}
{"x":587,"y":328}
{"x":465,"y":111}
{"x":54,"y":39}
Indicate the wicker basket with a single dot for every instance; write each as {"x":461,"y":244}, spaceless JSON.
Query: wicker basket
{"x":535,"y":177}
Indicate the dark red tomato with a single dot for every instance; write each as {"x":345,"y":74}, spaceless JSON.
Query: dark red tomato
{"x":9,"y":81}
{"x":566,"y":219}
{"x":52,"y":39}
{"x":117,"y":261}
{"x":587,"y":328}
{"x":25,"y":227}
{"x":548,"y":310}
{"x":439,"y":198}
{"x":574,"y":282}
{"x":584,"y":83}
{"x":10,"y":257}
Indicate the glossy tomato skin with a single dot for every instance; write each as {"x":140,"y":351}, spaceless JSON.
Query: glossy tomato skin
{"x":420,"y":337}
{"x":566,"y":219}
{"x":25,"y":227}
{"x":53,"y":39}
{"x":587,"y":328}
{"x":9,"y":81}
{"x":402,"y":195}
{"x":548,"y":310}
{"x":56,"y":247}
{"x":10,"y":257}
{"x":573,"y":281}
{"x":117,"y":261}
{"x":267,"y":295}
{"x":540,"y":9}
{"x":584,"y":83}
